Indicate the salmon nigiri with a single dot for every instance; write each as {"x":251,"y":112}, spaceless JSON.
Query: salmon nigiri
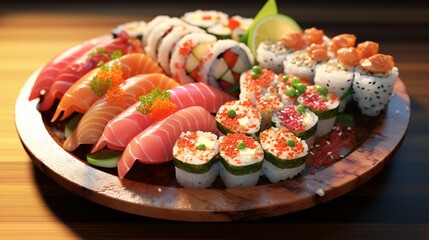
{"x":92,"y":123}
{"x":51,"y":70}
{"x":99,"y":54}
{"x":121,"y":129}
{"x":155,"y":144}
{"x":80,"y":96}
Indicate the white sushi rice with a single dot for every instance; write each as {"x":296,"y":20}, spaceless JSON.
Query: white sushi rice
{"x":157,"y":34}
{"x":152,"y":25}
{"x":193,"y":180}
{"x":166,"y":46}
{"x":300,"y":64}
{"x":178,"y":61}
{"x":134,"y":28}
{"x":275,"y":174}
{"x":271,"y":54}
{"x":337,"y":77}
{"x":372,"y":91}
{"x":324,"y":126}
{"x":238,"y":181}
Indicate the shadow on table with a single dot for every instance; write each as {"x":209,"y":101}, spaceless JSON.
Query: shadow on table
{"x":396,"y":195}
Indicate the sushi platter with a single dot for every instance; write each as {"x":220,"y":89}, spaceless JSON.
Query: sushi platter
{"x":212,"y":118}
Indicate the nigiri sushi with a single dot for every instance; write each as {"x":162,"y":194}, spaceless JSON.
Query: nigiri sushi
{"x":155,"y":144}
{"x":120,"y":130}
{"x":80,"y":96}
{"x":51,"y":70}
{"x":99,"y":54}
{"x":91,"y":125}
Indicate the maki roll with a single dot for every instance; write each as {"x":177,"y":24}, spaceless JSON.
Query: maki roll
{"x":270,"y":54}
{"x":224,"y":63}
{"x":373,"y":84}
{"x":300,"y":64}
{"x":205,"y":18}
{"x":241,"y":160}
{"x":187,"y":56}
{"x":324,"y":104}
{"x":299,"y":120}
{"x":166,"y":45}
{"x":258,"y":86}
{"x":238,"y":116}
{"x":151,"y":25}
{"x":133,"y":29}
{"x":239,"y":25}
{"x":284,"y":153}
{"x":155,"y":36}
{"x":290,"y":87}
{"x":195,"y":159}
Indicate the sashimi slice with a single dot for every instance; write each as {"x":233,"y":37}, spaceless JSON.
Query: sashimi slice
{"x":87,"y":62}
{"x":155,"y":144}
{"x":91,"y":126}
{"x":79,"y":97}
{"x":51,"y":70}
{"x":121,"y":129}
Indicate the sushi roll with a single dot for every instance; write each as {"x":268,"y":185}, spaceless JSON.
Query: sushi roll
{"x":299,"y":120}
{"x":324,"y":104}
{"x":187,"y":56}
{"x":338,"y":74}
{"x":300,"y":64}
{"x":284,"y":153}
{"x":151,"y":25}
{"x":195,"y":157}
{"x":238,"y":116}
{"x":239,"y":25}
{"x":158,"y":33}
{"x":270,"y":54}
{"x":133,"y":29}
{"x":289,"y":87}
{"x":241,"y":160}
{"x":205,"y":18}
{"x":258,"y":85}
{"x":224,"y":63}
{"x":373,"y":84}
{"x":166,"y":45}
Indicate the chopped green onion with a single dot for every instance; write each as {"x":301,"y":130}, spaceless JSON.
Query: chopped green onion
{"x":300,"y":109}
{"x":201,"y":147}
{"x":231,"y":113}
{"x":255,"y":75}
{"x":301,"y":87}
{"x":241,"y":145}
{"x":290,"y":92}
{"x":290,"y":143}
{"x":295,"y":81}
{"x":322,"y":90}
{"x":257,"y":69}
{"x":285,"y":78}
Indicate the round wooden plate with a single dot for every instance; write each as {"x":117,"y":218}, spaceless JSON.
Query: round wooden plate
{"x":213,"y":204}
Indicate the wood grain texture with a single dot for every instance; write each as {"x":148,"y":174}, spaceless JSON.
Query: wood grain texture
{"x":391,"y":205}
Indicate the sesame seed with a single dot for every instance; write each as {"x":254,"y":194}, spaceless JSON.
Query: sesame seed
{"x":341,"y":155}
{"x":329,"y":153}
{"x":327,"y":142}
{"x":312,"y":153}
{"x":159,"y":190}
{"x":340,"y":133}
{"x":317,"y":145}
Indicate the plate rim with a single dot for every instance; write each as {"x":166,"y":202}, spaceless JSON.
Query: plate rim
{"x":212,"y":205}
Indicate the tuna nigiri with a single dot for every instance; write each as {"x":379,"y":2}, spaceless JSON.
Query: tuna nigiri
{"x":121,"y":129}
{"x":79,"y":97}
{"x":155,"y":144}
{"x":91,"y":126}
{"x":103,"y":52}
{"x":51,"y":70}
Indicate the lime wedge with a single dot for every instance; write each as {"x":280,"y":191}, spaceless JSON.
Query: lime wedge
{"x":270,"y":8}
{"x":106,"y":158}
{"x":271,"y":27}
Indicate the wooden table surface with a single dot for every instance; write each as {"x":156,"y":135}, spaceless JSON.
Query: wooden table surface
{"x":393,"y":204}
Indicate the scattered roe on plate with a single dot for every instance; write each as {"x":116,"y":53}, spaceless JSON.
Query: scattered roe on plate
{"x":156,"y":104}
{"x":328,"y":149}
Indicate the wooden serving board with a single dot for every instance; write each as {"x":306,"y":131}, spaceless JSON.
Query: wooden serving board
{"x":152,"y":191}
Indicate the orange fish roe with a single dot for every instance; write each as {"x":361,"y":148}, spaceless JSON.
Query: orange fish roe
{"x":162,"y":108}
{"x":116,"y":95}
{"x":263,"y":80}
{"x":188,"y":142}
{"x":106,"y":78}
{"x":243,"y":109}
{"x":277,"y":139}
{"x":186,"y":48}
{"x":230,"y":141}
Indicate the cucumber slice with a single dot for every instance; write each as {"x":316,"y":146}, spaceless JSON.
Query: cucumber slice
{"x":281,"y":163}
{"x":107,"y":158}
{"x":241,"y":170}
{"x":71,"y":125}
{"x":195,"y":168}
